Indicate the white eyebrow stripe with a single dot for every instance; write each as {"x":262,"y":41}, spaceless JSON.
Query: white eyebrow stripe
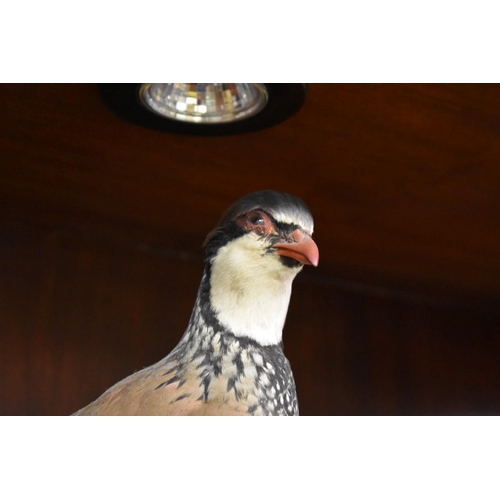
{"x":295,"y":219}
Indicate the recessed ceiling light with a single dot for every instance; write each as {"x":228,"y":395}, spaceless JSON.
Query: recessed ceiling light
{"x":205,"y":108}
{"x":204,"y":103}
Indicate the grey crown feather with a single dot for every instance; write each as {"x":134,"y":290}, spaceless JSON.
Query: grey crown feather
{"x":279,"y":205}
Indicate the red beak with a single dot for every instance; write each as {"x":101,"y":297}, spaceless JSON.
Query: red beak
{"x":302,"y":249}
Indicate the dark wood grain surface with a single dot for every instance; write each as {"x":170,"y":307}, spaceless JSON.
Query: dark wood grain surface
{"x":101,"y":225}
{"x":402,"y":179}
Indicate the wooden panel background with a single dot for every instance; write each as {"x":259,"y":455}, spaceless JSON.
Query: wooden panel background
{"x":101,"y":223}
{"x":79,"y":311}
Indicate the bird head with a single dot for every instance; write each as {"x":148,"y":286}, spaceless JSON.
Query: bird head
{"x":255,"y":251}
{"x":268,"y":224}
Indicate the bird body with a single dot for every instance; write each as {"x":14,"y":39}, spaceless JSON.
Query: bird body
{"x":230,"y":360}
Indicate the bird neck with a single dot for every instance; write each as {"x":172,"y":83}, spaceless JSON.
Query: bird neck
{"x":248,"y":300}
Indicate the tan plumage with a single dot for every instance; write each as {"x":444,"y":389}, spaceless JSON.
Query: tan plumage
{"x":230,"y":359}
{"x":136,"y":395}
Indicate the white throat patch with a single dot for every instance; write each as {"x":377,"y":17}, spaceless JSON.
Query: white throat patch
{"x":250,"y":290}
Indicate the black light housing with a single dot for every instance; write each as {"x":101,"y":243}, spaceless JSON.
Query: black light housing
{"x":283,"y":101}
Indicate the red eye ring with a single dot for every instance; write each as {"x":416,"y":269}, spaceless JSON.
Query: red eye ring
{"x":256,"y":221}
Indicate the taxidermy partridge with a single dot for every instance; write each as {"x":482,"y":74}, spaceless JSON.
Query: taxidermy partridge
{"x":230,"y":359}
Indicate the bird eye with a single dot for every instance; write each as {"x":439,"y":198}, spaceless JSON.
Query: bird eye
{"x":256,"y":219}
{"x":257,"y":222}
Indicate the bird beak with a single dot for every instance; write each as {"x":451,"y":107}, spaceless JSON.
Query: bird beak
{"x":302,"y":249}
